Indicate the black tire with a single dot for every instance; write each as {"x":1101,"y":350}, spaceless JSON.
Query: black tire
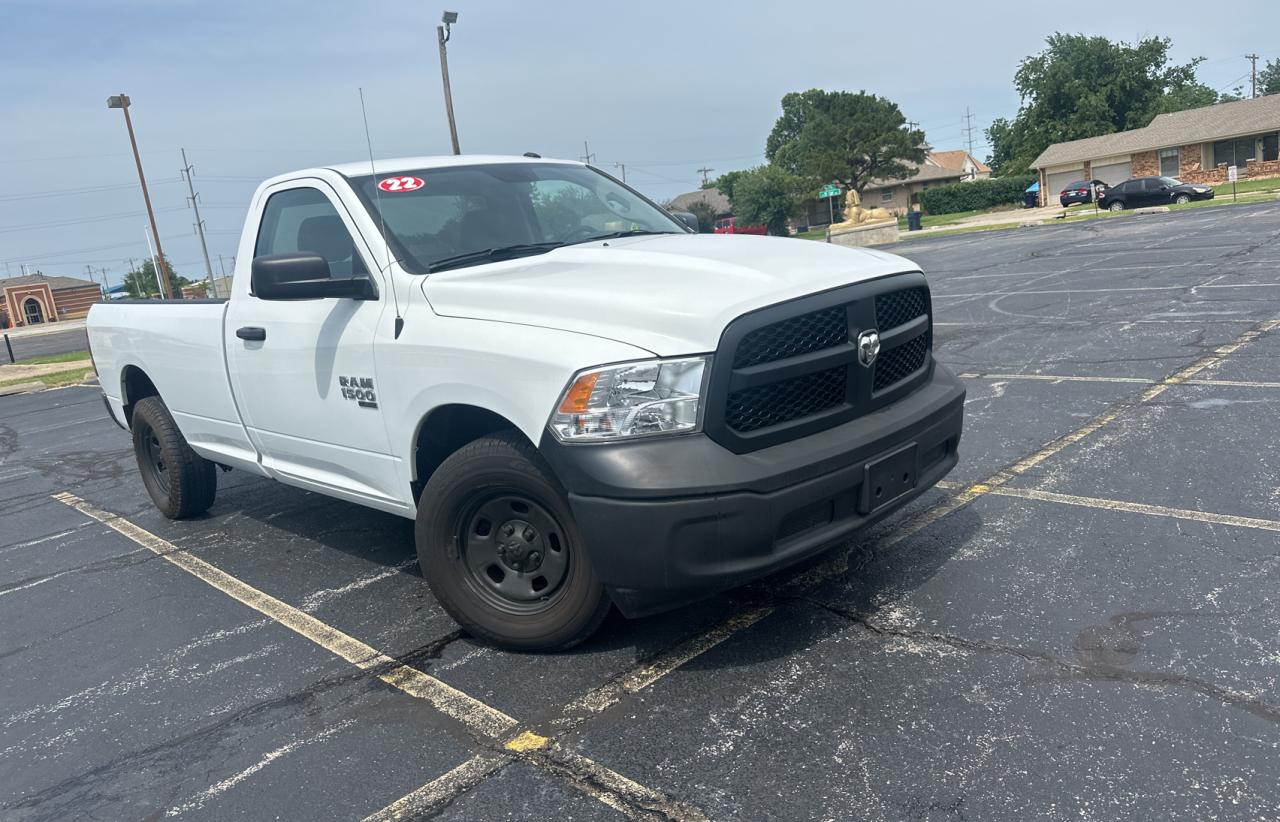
{"x":492,"y":522}
{"x":1115,"y":205}
{"x":181,"y":483}
{"x":1182,"y":199}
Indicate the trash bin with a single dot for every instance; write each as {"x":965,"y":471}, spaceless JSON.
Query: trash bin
{"x":913,"y":221}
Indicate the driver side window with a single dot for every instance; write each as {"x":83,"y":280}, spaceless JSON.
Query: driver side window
{"x":303,"y":220}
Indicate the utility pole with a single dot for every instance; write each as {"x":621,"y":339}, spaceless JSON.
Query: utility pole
{"x":442,"y":34}
{"x":105,"y":284}
{"x":1253,"y":73}
{"x":622,"y":166}
{"x":704,"y":171}
{"x":968,"y":127}
{"x":587,"y":156}
{"x":222,"y":267}
{"x":194,"y":199}
{"x":121,"y":101}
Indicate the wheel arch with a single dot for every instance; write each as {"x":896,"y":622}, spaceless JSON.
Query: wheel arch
{"x":135,"y":385}
{"x":446,"y":428}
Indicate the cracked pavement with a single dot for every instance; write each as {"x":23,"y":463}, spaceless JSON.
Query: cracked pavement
{"x":1004,"y":658}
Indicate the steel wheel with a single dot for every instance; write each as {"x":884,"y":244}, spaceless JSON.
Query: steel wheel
{"x":514,"y":551}
{"x":1116,"y":206}
{"x":155,"y":461}
{"x":1182,"y":199}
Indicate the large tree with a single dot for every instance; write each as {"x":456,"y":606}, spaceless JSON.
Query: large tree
{"x":768,"y":196}
{"x":1083,"y":86}
{"x":838,"y":135}
{"x":1269,"y":77}
{"x":142,"y":282}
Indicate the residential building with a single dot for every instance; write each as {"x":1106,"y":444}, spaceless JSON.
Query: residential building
{"x":36,"y":298}
{"x":1196,"y":146}
{"x":711,"y":196}
{"x":938,"y":169}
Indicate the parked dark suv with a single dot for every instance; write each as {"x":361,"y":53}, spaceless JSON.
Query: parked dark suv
{"x":1149,"y":191}
{"x":1078,"y":192}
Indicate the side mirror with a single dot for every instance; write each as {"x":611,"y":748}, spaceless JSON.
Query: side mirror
{"x":688,"y":218}
{"x":303,"y":276}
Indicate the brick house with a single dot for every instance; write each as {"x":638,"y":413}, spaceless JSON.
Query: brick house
{"x":939,"y":168}
{"x":37,"y":298}
{"x":1196,"y":146}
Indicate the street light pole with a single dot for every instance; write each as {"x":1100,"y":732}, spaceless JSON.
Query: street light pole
{"x":121,"y":101}
{"x":442,"y":34}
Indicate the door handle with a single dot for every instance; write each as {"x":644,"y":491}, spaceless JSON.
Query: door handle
{"x":252,"y":332}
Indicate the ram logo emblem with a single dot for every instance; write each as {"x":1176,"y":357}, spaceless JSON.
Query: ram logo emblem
{"x":868,"y":347}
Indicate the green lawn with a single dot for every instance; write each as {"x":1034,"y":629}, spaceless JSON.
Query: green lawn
{"x":1224,"y":189}
{"x":70,"y":356}
{"x":55,"y":380}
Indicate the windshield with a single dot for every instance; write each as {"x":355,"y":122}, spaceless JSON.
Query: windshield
{"x":1170,"y":181}
{"x":435,"y":216}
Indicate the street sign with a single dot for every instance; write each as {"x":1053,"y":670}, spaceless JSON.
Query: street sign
{"x":829,"y":191}
{"x":1233,"y":173}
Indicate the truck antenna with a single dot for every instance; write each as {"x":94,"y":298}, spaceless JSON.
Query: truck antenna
{"x":382,"y":223}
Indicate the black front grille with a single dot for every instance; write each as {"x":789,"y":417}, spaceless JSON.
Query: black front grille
{"x":799,"y":335}
{"x":779,"y":402}
{"x":900,"y":307}
{"x":899,"y":363}
{"x":792,"y":369}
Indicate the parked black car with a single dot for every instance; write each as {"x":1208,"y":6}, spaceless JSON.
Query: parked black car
{"x":1078,"y":192}
{"x":1149,"y":191}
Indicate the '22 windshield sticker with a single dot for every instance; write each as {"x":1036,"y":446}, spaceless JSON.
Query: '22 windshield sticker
{"x":359,"y":389}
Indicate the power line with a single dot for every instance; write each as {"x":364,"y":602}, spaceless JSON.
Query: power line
{"x":79,"y":220}
{"x":62,"y":192}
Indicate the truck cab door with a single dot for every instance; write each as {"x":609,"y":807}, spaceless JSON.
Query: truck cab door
{"x":303,"y":370}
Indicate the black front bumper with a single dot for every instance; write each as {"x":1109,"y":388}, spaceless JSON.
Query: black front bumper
{"x":671,"y":520}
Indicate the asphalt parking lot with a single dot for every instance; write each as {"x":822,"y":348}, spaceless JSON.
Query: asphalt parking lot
{"x":26,"y":346}
{"x":1082,"y":624}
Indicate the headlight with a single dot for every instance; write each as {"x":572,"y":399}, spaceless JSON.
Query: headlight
{"x":632,"y":400}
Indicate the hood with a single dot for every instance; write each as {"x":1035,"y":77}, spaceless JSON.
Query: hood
{"x":671,"y":294}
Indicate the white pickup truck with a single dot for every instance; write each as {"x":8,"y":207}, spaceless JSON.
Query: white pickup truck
{"x":580,"y":401}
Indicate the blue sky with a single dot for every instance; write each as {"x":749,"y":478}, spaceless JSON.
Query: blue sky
{"x":254,"y":89}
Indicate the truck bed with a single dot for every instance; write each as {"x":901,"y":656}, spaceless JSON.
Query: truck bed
{"x":179,"y":346}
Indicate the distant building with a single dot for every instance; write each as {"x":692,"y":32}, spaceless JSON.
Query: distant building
{"x":1196,"y":146}
{"x":939,"y":168}
{"x":36,"y":299}
{"x":710,"y":196}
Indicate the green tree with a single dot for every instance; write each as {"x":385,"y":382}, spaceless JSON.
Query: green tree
{"x":840,"y":135}
{"x":1269,"y":77}
{"x":768,"y":196}
{"x":1083,"y":86}
{"x":706,"y":215}
{"x":141,"y":283}
{"x":1189,"y":95}
{"x":726,"y":181}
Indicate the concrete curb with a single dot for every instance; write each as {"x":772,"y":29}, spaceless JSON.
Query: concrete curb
{"x":22,"y":388}
{"x":1152,"y":210}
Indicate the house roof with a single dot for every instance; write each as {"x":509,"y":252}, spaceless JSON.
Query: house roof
{"x":55,"y":283}
{"x":710,"y":196}
{"x":1179,"y":128}
{"x":955,"y":160}
{"x":924,"y":173}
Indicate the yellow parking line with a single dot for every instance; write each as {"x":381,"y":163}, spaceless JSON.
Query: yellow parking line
{"x":481,"y":719}
{"x":1141,"y":508}
{"x":471,"y":712}
{"x":974,"y":375}
{"x":442,"y":789}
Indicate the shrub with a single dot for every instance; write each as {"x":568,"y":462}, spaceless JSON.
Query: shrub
{"x":975,"y":194}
